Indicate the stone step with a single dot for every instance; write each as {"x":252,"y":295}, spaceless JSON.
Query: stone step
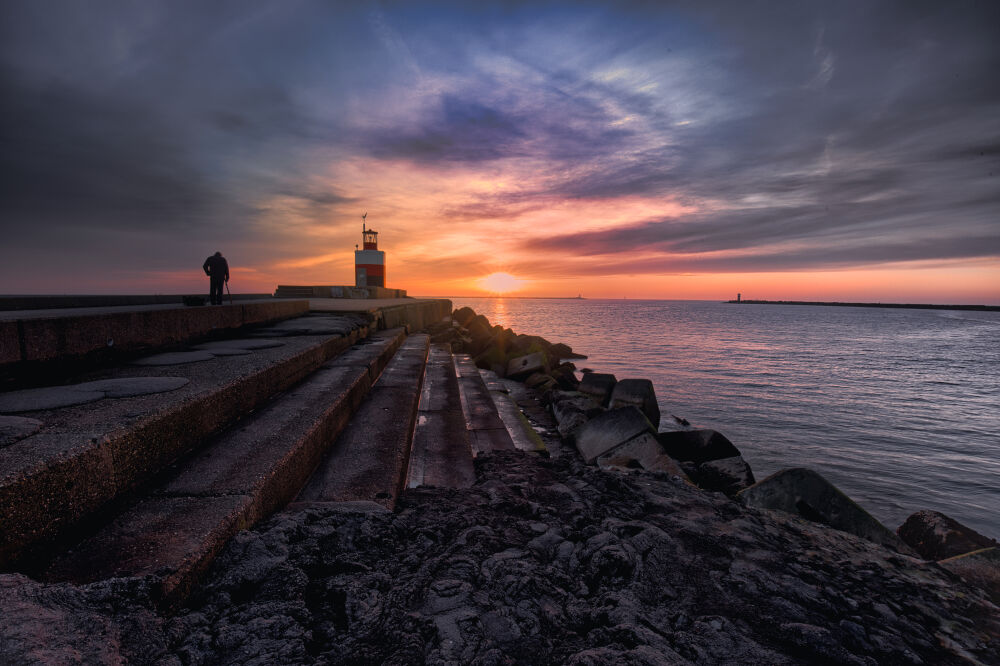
{"x":172,"y":534}
{"x":441,"y":454}
{"x":368,"y":461}
{"x":486,"y":430}
{"x":76,"y":460}
{"x":45,"y":336}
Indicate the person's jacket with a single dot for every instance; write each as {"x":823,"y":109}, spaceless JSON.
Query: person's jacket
{"x":217,"y":267}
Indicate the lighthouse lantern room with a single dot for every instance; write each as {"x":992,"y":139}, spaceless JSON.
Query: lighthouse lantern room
{"x":369,"y":263}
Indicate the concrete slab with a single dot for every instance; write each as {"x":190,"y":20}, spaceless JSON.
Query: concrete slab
{"x":485,"y":440}
{"x":486,"y":430}
{"x":369,"y":460}
{"x":269,"y":456}
{"x":609,"y":430}
{"x":52,"y":397}
{"x":133,"y":438}
{"x":441,"y":454}
{"x":46,"y":335}
{"x":242,"y":343}
{"x":521,"y":434}
{"x":14,"y":428}
{"x":171,"y":540}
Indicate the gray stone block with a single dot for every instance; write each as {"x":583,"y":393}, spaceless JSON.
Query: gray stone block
{"x":638,"y":392}
{"x":643,"y":451}
{"x":697,"y":446}
{"x":936,"y":536}
{"x":610,"y":429}
{"x":523,"y":367}
{"x":805,"y":493}
{"x":599,"y":385}
{"x":726,"y":475}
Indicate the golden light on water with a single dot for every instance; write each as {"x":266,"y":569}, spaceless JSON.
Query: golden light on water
{"x":501,"y":283}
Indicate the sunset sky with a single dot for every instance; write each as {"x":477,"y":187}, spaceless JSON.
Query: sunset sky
{"x":785,"y":150}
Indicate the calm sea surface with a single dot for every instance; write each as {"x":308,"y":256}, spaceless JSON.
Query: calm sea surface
{"x":899,"y":408}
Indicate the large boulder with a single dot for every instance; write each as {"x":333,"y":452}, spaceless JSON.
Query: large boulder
{"x":565,"y":376}
{"x":805,"y":493}
{"x":610,"y":429}
{"x":559,"y":350}
{"x":463,"y":316}
{"x":697,"y":446}
{"x":522,"y":367}
{"x":599,"y":385}
{"x":935,"y":536}
{"x":644,"y":452}
{"x":726,"y":475}
{"x":571,"y":410}
{"x":638,"y":392}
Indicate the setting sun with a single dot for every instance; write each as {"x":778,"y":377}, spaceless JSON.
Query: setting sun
{"x":500,"y":283}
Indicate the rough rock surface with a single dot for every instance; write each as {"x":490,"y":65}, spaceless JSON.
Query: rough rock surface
{"x":542,"y":561}
{"x":935,"y":536}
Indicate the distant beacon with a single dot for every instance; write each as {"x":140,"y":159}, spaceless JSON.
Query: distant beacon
{"x":369,"y":263}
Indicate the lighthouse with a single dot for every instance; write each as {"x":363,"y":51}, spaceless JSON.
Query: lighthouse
{"x":369,"y":263}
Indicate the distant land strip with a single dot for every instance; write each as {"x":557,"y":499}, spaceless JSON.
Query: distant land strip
{"x":911,"y":306}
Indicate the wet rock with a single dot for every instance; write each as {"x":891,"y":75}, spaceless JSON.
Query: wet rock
{"x":540,"y":382}
{"x":805,"y":493}
{"x":560,"y":350}
{"x":726,"y":475}
{"x":564,"y":375}
{"x":638,"y":392}
{"x":463,"y":316}
{"x":644,"y":452}
{"x":522,"y":367}
{"x":697,"y":445}
{"x":935,"y":536}
{"x":541,"y":561}
{"x":599,"y":385}
{"x":609,"y":430}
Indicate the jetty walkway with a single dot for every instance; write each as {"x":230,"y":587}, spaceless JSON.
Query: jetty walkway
{"x":136,"y":440}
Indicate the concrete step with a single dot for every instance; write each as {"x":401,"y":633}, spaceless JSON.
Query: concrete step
{"x":486,"y":430}
{"x":45,"y":336}
{"x":79,"y":458}
{"x":171,"y":535}
{"x":368,"y":462}
{"x":441,"y":454}
{"x":518,"y":427}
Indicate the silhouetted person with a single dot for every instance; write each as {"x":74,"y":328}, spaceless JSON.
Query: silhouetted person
{"x":217,"y":269}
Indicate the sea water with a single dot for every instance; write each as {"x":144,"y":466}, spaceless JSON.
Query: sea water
{"x":899,"y":408}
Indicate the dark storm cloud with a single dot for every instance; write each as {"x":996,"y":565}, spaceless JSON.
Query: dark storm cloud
{"x":860,"y":132}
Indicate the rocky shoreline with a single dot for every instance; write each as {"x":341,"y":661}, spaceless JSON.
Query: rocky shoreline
{"x":654,"y":545}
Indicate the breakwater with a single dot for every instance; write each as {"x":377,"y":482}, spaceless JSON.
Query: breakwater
{"x":905,"y":306}
{"x":610,"y":549}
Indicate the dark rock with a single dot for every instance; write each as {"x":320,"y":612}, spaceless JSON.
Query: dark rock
{"x":726,"y":475}
{"x":638,"y":392}
{"x":463,"y":316}
{"x":522,"y":367}
{"x":542,"y":561}
{"x":559,"y":350}
{"x":697,"y":445}
{"x":805,"y":493}
{"x":610,"y":429}
{"x":565,"y":377}
{"x":599,"y":385}
{"x":540,"y":381}
{"x":680,"y":421}
{"x":643,"y":451}
{"x":935,"y":536}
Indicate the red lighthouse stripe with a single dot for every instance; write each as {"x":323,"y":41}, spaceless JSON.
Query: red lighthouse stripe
{"x":372,"y":269}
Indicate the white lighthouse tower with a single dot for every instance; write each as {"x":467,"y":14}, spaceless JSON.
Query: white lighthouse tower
{"x":369,"y":262}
